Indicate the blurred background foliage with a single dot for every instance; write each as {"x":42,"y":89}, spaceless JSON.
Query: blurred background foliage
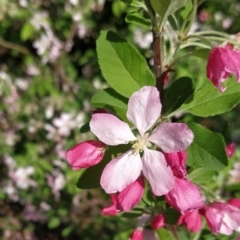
{"x":48,"y":73}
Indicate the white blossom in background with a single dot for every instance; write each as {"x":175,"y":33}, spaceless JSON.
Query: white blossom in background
{"x":56,"y":182}
{"x":144,"y":40}
{"x":64,"y":124}
{"x":227,"y":22}
{"x":23,"y":3}
{"x":74,"y":2}
{"x":10,"y":190}
{"x":21,"y":175}
{"x":82,"y":30}
{"x":31,"y":213}
{"x":234,"y":174}
{"x":40,"y":20}
{"x":51,"y":131}
{"x":9,"y":161}
{"x":48,"y":46}
{"x":32,"y":70}
{"x":11,"y":138}
{"x":22,"y":83}
{"x":49,"y":111}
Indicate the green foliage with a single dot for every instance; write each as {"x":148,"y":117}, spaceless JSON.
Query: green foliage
{"x":177,"y":94}
{"x":207,"y":149}
{"x":138,"y":19}
{"x":209,"y":101}
{"x":125,"y":70}
{"x":171,"y":216}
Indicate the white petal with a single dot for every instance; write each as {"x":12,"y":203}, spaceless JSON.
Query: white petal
{"x":120,"y":172}
{"x":157,"y":172}
{"x":172,"y":137}
{"x":111,"y":130}
{"x":144,"y":108}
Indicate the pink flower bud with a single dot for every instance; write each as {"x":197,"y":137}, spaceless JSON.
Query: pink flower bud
{"x":222,"y":62}
{"x":137,"y":234}
{"x":158,"y":221}
{"x":112,"y":209}
{"x":192,"y":220}
{"x":85,"y":154}
{"x":230,"y":149}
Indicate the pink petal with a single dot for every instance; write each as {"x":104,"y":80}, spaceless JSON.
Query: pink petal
{"x":177,"y":162}
{"x":192,"y":220}
{"x":157,"y":221}
{"x":172,"y":137}
{"x":184,"y":196}
{"x":85,"y":154}
{"x":120,"y":172}
{"x":111,"y":209}
{"x":131,"y":195}
{"x":144,"y":108}
{"x":157,"y":172}
{"x":111,"y":130}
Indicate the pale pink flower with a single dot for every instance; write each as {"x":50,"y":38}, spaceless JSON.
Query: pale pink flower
{"x":222,"y":218}
{"x":158,"y":221}
{"x":230,"y":148}
{"x":137,"y":234}
{"x":223,"y":61}
{"x":234,"y":174}
{"x":192,"y":220}
{"x":85,"y":154}
{"x":144,"y":109}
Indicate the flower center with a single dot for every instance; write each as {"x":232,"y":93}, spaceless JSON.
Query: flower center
{"x":140,"y":143}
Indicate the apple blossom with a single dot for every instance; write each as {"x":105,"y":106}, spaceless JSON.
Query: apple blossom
{"x":223,"y":61}
{"x":85,"y":154}
{"x":222,"y":217}
{"x":144,"y":109}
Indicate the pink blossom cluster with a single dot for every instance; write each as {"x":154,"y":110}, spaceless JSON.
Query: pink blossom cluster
{"x":157,"y":155}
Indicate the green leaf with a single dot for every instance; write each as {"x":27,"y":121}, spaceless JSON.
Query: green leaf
{"x":177,"y":94}
{"x":90,"y":178}
{"x":167,"y":7}
{"x":123,"y":67}
{"x":207,"y":149}
{"x":134,"y":3}
{"x":201,"y":53}
{"x":209,"y":101}
{"x":27,"y":31}
{"x":171,"y":216}
{"x":54,"y":222}
{"x":137,"y":19}
{"x":201,"y":175}
{"x":109,"y":97}
{"x":165,"y":234}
